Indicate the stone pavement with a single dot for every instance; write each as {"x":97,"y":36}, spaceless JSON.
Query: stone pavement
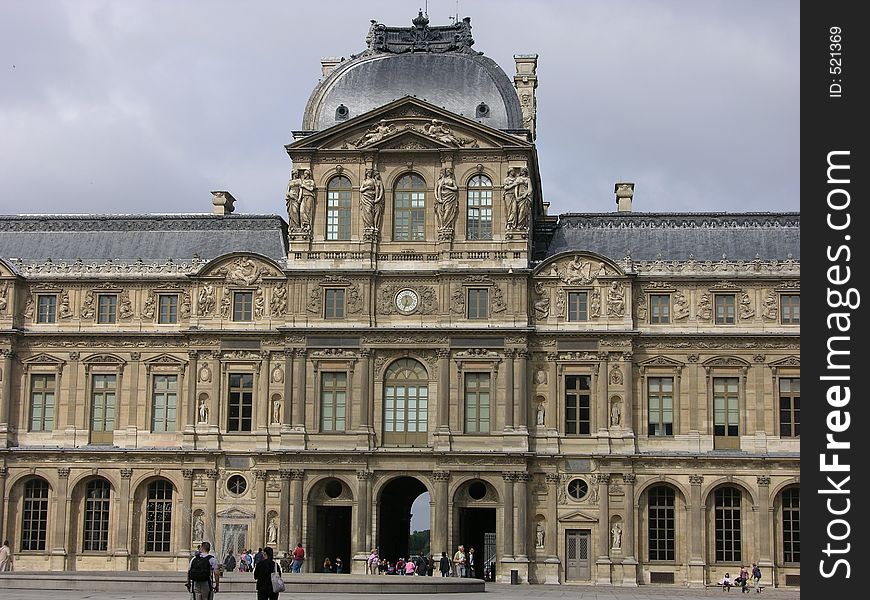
{"x":494,"y":591}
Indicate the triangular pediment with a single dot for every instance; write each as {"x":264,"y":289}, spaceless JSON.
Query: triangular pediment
{"x":235,"y":513}
{"x":660,"y":361}
{"x":408,"y":123}
{"x":788,"y":361}
{"x":42,"y":359}
{"x":578,"y":515}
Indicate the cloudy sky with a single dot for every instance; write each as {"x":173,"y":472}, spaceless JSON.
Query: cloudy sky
{"x":146,"y":105}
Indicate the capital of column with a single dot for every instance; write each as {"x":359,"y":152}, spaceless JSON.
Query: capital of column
{"x":212,"y":474}
{"x":696,"y":479}
{"x":442,"y":353}
{"x":260,"y":474}
{"x":135,"y":355}
{"x":552,"y":478}
{"x":297,"y":474}
{"x":626,"y":356}
{"x":602,"y":356}
{"x":523,"y":476}
{"x":301,"y":352}
{"x":285,"y":473}
{"x":364,"y":475}
{"x":763,"y":480}
{"x":4,"y":353}
{"x":4,"y":471}
{"x":523,"y":353}
{"x":192,"y":354}
{"x":509,"y":476}
{"x":603,"y":478}
{"x":552,"y":356}
{"x":629,"y":478}
{"x":74,"y":355}
{"x":126,"y":473}
{"x":366,"y":352}
{"x":63,"y":472}
{"x":441,"y":476}
{"x":187,"y":473}
{"x":216,"y":354}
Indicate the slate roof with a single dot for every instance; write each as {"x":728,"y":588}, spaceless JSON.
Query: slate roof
{"x":37,"y":238}
{"x":680,"y":236}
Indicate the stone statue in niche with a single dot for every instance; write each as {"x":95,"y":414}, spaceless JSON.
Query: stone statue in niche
{"x":539,"y":415}
{"x":446,"y":203}
{"x":203,"y":411}
{"x":615,"y":414}
{"x":539,"y":536}
{"x":308,"y":191}
{"x":278,"y":303}
{"x":273,"y":531}
{"x":770,"y":310}
{"x":371,"y":203}
{"x":276,"y":411}
{"x":198,"y":528}
{"x":746,"y":310}
{"x":616,"y":534}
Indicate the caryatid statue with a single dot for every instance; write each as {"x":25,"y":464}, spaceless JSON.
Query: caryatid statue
{"x":523,"y":193}
{"x":371,"y":203}
{"x":308,"y":191}
{"x":446,"y":203}
{"x":294,"y":199}
{"x":510,"y":199}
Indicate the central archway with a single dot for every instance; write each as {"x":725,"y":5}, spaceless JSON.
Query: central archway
{"x":394,"y":516}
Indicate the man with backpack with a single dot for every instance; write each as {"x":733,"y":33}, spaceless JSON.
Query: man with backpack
{"x":756,"y":577}
{"x":203,"y":575}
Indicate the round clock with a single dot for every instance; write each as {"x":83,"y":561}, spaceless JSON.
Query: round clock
{"x":406,"y":301}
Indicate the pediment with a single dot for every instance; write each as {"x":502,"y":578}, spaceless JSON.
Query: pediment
{"x":660,"y":361}
{"x":164,"y":360}
{"x":241,"y":269}
{"x":6,"y":269}
{"x":578,"y":268}
{"x":408,"y":124}
{"x":788,"y":361}
{"x":42,"y":359}
{"x":578,"y":515}
{"x":103,"y":359}
{"x":235,"y":513}
{"x":726,"y":361}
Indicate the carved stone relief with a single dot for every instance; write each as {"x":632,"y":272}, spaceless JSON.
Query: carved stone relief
{"x":705,"y":308}
{"x":746,"y":309}
{"x":207,"y":300}
{"x":615,"y":300}
{"x":681,"y":306}
{"x":278,"y":303}
{"x":770,"y":310}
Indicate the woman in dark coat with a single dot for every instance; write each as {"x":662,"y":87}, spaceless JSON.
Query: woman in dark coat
{"x":263,"y":575}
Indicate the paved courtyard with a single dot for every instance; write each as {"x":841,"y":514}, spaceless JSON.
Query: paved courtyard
{"x":493,"y":591}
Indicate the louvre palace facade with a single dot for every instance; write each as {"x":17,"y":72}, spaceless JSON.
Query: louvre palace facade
{"x":610,"y":398}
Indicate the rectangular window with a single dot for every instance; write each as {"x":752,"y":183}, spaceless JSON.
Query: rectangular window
{"x":477,"y":402}
{"x":168,"y":308}
{"x":95,"y":536}
{"x":727,"y":515}
{"x":103,"y":407}
{"x":158,"y":517}
{"x":478,"y":222}
{"x":660,"y":392}
{"x":791,"y":526}
{"x":790,"y":309}
{"x":790,"y":407}
{"x":577,"y":402}
{"x":725,"y":407}
{"x":660,"y":308}
{"x":725,"y":309}
{"x":478,"y":303}
{"x":243,"y":303}
{"x":46,"y":311}
{"x":662,"y":532}
{"x":333,"y":307}
{"x":338,"y":214}
{"x":107,"y":308}
{"x":333,"y":401}
{"x":578,"y":306}
{"x":42,"y":394}
{"x":164,"y":402}
{"x":34,"y":514}
{"x":241,"y":402}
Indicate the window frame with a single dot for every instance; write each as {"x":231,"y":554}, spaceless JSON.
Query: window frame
{"x":415,"y":197}
{"x":171,"y":314}
{"x":158,"y":516}
{"x":49,"y":316}
{"x":166,"y":394}
{"x":579,"y":408}
{"x":478,"y":209}
{"x":104,"y":436}
{"x":728,"y":313}
{"x":109,"y":302}
{"x":96,"y":516}
{"x":582,"y":306}
{"x":727,"y":439}
{"x":30,"y":535}
{"x":474,"y":309}
{"x":794,"y":306}
{"x":660,"y":394}
{"x":243,"y":306}
{"x":792,"y":410}
{"x":32,"y":391}
{"x":730,"y":550}
{"x":244,"y":400}
{"x":789,"y":517}
{"x":338,"y":304}
{"x":663,"y":521}
{"x":339,"y":203}
{"x":664,"y":318}
{"x":333,"y":396}
{"x":473,"y":389}
{"x":420,"y":412}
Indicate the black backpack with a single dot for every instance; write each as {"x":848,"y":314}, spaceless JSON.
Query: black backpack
{"x":200,"y":568}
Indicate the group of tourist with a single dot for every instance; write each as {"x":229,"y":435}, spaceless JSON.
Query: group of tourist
{"x":743,"y":580}
{"x":204,"y":573}
{"x":247,"y":561}
{"x":464,"y":564}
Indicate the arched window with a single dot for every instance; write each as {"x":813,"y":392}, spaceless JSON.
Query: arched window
{"x":158,"y":516}
{"x":727,"y":522}
{"x":478,"y":220}
{"x":95,"y":537}
{"x":791,"y":525}
{"x":409,"y":209}
{"x":661,"y":523}
{"x":406,"y":400}
{"x":338,"y":208}
{"x":34,"y":514}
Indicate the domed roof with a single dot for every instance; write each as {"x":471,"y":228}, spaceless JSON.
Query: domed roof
{"x":435,"y":64}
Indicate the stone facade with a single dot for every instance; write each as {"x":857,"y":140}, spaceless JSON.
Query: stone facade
{"x":423,"y":326}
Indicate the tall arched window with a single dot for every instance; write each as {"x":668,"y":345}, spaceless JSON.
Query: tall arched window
{"x":158,"y":517}
{"x":406,"y":403}
{"x":478,"y":220}
{"x":95,"y":537}
{"x":791,"y":525}
{"x":409,"y":209}
{"x":727,"y":522}
{"x":34,"y":514}
{"x":661,"y":523}
{"x":338,"y":208}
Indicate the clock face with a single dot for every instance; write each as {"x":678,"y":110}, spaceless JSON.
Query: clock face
{"x":406,"y":301}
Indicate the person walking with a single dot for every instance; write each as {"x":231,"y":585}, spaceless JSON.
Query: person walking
{"x":203,"y":574}
{"x":6,"y":556}
{"x":298,"y":557}
{"x":263,"y":575}
{"x":230,"y":563}
{"x":459,"y":561}
{"x":444,"y":565}
{"x":744,"y":580}
{"x":471,"y":567}
{"x":756,"y":578}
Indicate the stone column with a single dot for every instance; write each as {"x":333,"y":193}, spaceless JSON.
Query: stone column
{"x":551,"y":544}
{"x":260,"y":518}
{"x":61,"y":518}
{"x":603,"y":562}
{"x":287,"y":409}
{"x":122,"y":541}
{"x":186,"y":511}
{"x":6,"y":395}
{"x":299,"y":390}
{"x":629,"y":563}
{"x":696,"y":525}
{"x":765,"y":517}
{"x":210,"y":517}
{"x":439,"y":541}
{"x":284,"y":511}
{"x":443,"y":355}
{"x":193,"y":377}
{"x":509,"y":505}
{"x":628,"y":402}
{"x":295,"y":535}
{"x":132,"y":399}
{"x":262,"y":404}
{"x":4,"y":472}
{"x":602,"y":415}
{"x":551,"y":414}
{"x":522,"y":500}
{"x":521,"y":401}
{"x":361,"y":552}
{"x":509,"y":400}
{"x":365,"y":399}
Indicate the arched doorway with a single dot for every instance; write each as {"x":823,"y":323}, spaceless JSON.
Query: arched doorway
{"x":476,"y":502}
{"x":394,"y":516}
{"x":330,"y":519}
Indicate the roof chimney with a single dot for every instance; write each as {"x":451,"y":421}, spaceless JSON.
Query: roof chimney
{"x":526,"y":82}
{"x":328,"y":63}
{"x":624,"y":194}
{"x":223,"y":203}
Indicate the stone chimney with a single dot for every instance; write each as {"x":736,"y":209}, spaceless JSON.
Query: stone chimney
{"x":328,"y":63}
{"x":526,"y":82}
{"x":624,"y":194}
{"x":223,"y":203}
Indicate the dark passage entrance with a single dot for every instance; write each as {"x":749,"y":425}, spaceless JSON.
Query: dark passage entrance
{"x":474,"y":525}
{"x":394,"y":516}
{"x":332,"y":537}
